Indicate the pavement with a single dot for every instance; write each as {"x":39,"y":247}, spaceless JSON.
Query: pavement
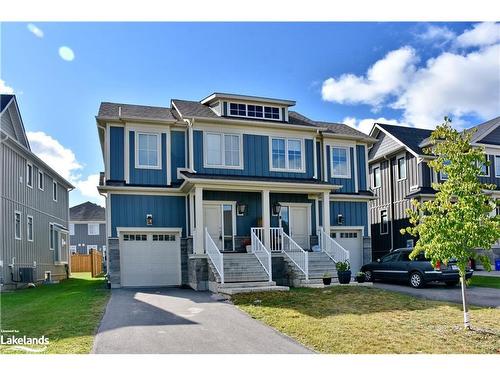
{"x":486,"y":273}
{"x":479,"y":296}
{"x":172,"y":320}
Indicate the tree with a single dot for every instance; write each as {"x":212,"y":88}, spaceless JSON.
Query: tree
{"x":459,"y":220}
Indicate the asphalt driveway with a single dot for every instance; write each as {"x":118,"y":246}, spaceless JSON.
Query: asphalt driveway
{"x":170,"y":320}
{"x":478,"y":296}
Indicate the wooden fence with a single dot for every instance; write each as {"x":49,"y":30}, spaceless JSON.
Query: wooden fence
{"x":87,"y":263}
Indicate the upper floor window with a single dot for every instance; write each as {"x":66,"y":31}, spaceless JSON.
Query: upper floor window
{"x":223,"y":150}
{"x":341,"y":163}
{"x":497,"y":165}
{"x":54,"y":191}
{"x":71,"y":229}
{"x":29,"y":228}
{"x":17,"y":225}
{"x":29,"y":175}
{"x":485,"y":169}
{"x":384,"y":222}
{"x":51,"y":236}
{"x":287,"y":154}
{"x":93,"y":229}
{"x":443,"y":174}
{"x":254,"y":111}
{"x":376,"y":177}
{"x":148,"y":151}
{"x":41,"y":180}
{"x":402,"y":168}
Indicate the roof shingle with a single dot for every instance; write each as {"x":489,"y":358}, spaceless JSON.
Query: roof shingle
{"x":87,"y":211}
{"x":111,"y":111}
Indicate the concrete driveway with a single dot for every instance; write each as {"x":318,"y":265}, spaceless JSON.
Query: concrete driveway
{"x":169,"y":320}
{"x":478,"y":296}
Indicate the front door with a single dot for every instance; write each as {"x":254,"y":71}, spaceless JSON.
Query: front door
{"x":219,"y":219}
{"x":294,"y":219}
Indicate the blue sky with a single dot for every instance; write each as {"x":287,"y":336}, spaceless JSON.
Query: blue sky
{"x":343,"y":72}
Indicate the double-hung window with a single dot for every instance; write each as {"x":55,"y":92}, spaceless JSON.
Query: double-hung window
{"x":497,"y":166}
{"x":287,"y":154}
{"x":148,"y":151}
{"x":54,"y":191}
{"x":402,"y":168}
{"x":29,"y":228}
{"x":17,"y":225}
{"x":51,"y":236}
{"x":29,"y":175}
{"x":376,"y":177}
{"x":41,"y":181}
{"x":223,"y":150}
{"x":93,"y":229}
{"x":384,"y":222}
{"x":485,"y":169}
{"x":341,"y":163}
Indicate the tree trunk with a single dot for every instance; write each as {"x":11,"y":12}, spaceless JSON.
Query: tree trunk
{"x":464,"y":302}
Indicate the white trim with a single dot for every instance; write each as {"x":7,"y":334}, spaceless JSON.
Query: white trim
{"x":495,"y":165}
{"x":20,"y":225}
{"x":325,"y":161}
{"x":158,"y":150}
{"x":107,"y":147}
{"x":367,"y":168}
{"x":28,"y":217}
{"x":126,"y":154}
{"x":90,"y":247}
{"x":98,"y":229}
{"x":108,"y":216}
{"x":87,"y":221}
{"x":315,"y":159}
{"x":399,"y":157}
{"x":40,"y":173}
{"x":341,"y":228}
{"x":222,"y":136}
{"x":29,"y":166}
{"x":316,"y":212}
{"x":355,"y":153}
{"x":168,"y":151}
{"x":347,"y":198}
{"x":395,"y":139}
{"x":122,"y":230}
{"x":54,"y":191}
{"x":287,"y":161}
{"x":246,"y":104}
{"x":233,"y":218}
{"x":348,"y":154}
{"x":372,"y":181}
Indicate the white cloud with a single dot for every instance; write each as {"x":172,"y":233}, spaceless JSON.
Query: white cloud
{"x":66,"y":53}
{"x":482,"y":34}
{"x":437,"y":34}
{"x":387,"y":76}
{"x":64,"y":162}
{"x":366,"y":124}
{"x":35,"y":30}
{"x":4,"y":89}
{"x":452,"y":83}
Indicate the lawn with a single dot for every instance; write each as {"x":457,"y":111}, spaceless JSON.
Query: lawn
{"x":485,"y":281}
{"x":354,"y":319}
{"x":67,"y":313}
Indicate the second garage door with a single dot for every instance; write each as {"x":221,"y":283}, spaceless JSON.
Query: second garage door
{"x":150,"y":259}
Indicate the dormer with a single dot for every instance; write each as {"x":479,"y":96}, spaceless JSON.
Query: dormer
{"x":248,"y":107}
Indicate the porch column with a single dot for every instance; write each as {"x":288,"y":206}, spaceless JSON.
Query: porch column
{"x":326,"y":212}
{"x":266,"y":218}
{"x":200,"y":229}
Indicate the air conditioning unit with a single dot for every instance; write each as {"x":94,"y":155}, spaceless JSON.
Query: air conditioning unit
{"x":26,"y":275}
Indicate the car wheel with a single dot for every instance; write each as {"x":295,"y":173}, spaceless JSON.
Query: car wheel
{"x":368,"y":276}
{"x":416,"y":280}
{"x":451,"y":283}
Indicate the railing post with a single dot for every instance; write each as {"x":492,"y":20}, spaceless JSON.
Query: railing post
{"x":270,"y":267}
{"x":306,"y":267}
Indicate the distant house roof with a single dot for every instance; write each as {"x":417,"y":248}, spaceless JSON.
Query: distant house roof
{"x":87,"y":211}
{"x":485,"y":128}
{"x":4,"y":100}
{"x":116,"y":111}
{"x":410,"y":137}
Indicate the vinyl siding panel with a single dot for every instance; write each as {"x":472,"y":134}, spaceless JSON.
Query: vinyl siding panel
{"x":152,"y":177}
{"x":384,"y":145}
{"x":81,"y":238}
{"x":178,"y":155}
{"x":7,"y":124}
{"x":493,"y":138}
{"x":354,"y":213}
{"x":116,"y":153}
{"x":362,"y":165}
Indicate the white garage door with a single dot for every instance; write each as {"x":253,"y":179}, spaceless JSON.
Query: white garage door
{"x":150,"y":259}
{"x":352,"y":241}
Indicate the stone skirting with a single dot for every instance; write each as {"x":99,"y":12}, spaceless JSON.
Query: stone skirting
{"x":197,"y":269}
{"x":114,"y":262}
{"x":367,"y":250}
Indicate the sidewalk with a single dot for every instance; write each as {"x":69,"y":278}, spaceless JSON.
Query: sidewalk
{"x":486,"y":273}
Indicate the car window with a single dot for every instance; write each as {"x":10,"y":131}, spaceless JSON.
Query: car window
{"x":405,"y":256}
{"x":390,"y":258}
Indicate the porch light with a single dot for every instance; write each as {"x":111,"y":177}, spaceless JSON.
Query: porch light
{"x":276,"y":208}
{"x":149,"y":219}
{"x":340,"y":219}
{"x":241,"y":208}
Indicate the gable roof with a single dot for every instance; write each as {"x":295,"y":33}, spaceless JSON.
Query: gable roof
{"x":4,"y":101}
{"x":408,"y":136}
{"x":87,"y":211}
{"x":117,"y":111}
{"x":8,"y":101}
{"x":189,"y":108}
{"x":482,"y":130}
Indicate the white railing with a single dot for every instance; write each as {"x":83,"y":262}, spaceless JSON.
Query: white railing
{"x":276,"y":239}
{"x":260,"y":251}
{"x":331,"y":247}
{"x":296,"y":254}
{"x":215,"y":255}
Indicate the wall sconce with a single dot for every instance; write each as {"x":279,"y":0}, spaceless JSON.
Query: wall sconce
{"x":241,"y":208}
{"x":276,"y":209}
{"x":340,"y":219}
{"x":149,"y":219}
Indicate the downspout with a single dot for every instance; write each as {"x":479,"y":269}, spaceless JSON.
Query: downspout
{"x":391,"y":195}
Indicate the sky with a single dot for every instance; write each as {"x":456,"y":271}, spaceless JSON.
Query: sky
{"x":411,"y":74}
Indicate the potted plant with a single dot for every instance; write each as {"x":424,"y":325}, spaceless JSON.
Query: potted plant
{"x":360,"y":277}
{"x":327,"y":278}
{"x":343,"y":272}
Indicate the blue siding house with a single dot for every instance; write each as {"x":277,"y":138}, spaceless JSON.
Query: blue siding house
{"x":198,"y":187}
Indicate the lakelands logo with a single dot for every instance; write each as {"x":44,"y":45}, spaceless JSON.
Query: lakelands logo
{"x":17,"y":342}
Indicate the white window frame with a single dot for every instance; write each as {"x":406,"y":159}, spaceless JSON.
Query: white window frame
{"x":29,"y":167}
{"x":287,"y":161}
{"x":16,"y":213}
{"x":381,"y":222}
{"x":41,"y":180}
{"x":71,"y":229}
{"x":280,"y":111}
{"x":90,"y":247}
{"x":54,"y":191}
{"x":402,"y":157}
{"x":488,"y":167}
{"x":497,"y":165}
{"x":51,"y":236}
{"x":158,"y":150}
{"x":348,"y":154}
{"x":88,"y":229}
{"x":222,"y":150}
{"x":28,"y":217}
{"x":373,"y":178}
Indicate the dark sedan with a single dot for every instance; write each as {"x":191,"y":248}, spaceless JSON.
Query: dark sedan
{"x":397,"y":266}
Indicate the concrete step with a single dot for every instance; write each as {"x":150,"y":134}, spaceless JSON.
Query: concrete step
{"x":232,"y":291}
{"x":252,"y":284}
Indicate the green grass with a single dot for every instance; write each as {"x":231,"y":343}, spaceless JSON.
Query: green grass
{"x":67,"y":313}
{"x":485,"y":281}
{"x":355,"y":319}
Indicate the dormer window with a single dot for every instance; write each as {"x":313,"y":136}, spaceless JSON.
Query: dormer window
{"x":254,"y":111}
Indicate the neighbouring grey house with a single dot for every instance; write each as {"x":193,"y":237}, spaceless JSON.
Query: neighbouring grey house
{"x":34,"y":207}
{"x":87,"y":228}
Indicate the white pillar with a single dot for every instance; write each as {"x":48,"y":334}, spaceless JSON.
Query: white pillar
{"x":199,"y":247}
{"x":326,"y":212}
{"x":266,"y":218}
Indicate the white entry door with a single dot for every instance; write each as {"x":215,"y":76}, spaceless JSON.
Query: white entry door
{"x":352,"y":241}
{"x":295,"y":220}
{"x":220,"y":220}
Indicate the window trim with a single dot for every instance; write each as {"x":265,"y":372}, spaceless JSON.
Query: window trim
{"x":402,"y":157}
{"x":375,"y":166}
{"x":54,"y":191}
{"x":93,"y":234}
{"x":20,"y":237}
{"x":28,"y":217}
{"x":348,"y":153}
{"x":488,"y":167}
{"x":497,"y":158}
{"x":381,"y":222}
{"x":90,"y":247}
{"x":287,"y":161}
{"x":42,"y":180}
{"x":222,"y":151}
{"x":280,"y":110}
{"x":158,"y":135}
{"x":28,"y":165}
{"x":51,"y":236}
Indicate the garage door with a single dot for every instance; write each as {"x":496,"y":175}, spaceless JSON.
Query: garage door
{"x":150,"y":259}
{"x":352,"y":241}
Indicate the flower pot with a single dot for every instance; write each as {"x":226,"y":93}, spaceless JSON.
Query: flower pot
{"x":327,"y":280}
{"x":344,"y":277}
